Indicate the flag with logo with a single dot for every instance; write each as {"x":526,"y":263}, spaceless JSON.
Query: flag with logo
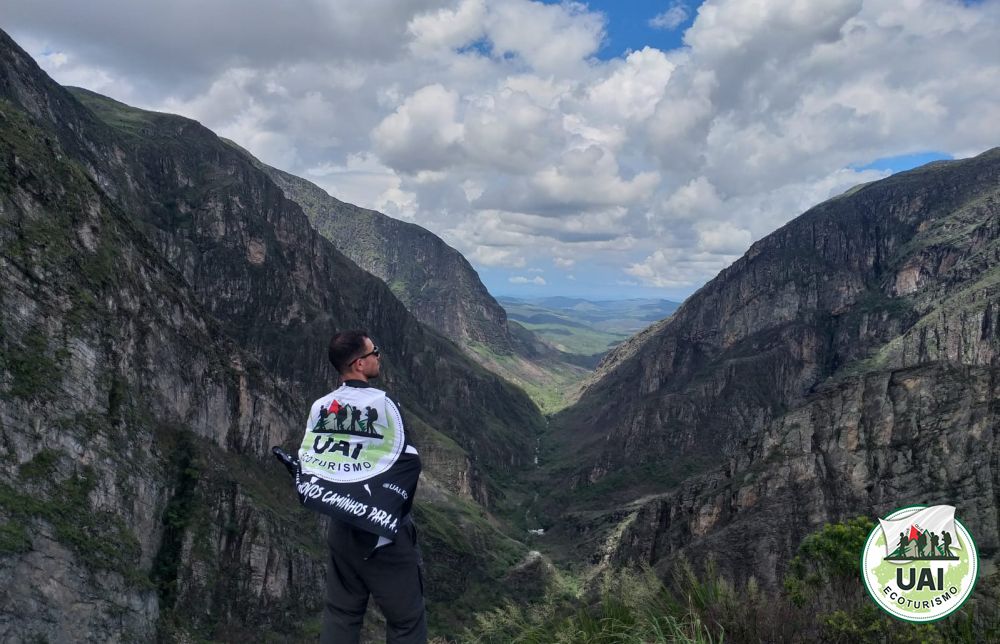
{"x":915,"y":535}
{"x":355,"y":463}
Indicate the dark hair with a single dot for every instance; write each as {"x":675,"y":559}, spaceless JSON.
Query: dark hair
{"x":345,"y":347}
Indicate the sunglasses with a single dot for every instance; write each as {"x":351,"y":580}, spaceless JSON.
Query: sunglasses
{"x":373,"y":352}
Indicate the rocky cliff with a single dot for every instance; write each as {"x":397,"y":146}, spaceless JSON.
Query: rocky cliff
{"x":845,"y":364}
{"x":165,"y":313}
{"x":439,"y":287}
{"x":433,"y":280}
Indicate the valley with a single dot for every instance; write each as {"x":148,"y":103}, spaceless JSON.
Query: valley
{"x":167,"y":299}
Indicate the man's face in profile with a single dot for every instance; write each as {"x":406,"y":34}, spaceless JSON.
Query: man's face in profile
{"x":370,"y":361}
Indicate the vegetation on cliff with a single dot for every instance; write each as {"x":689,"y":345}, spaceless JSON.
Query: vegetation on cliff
{"x":822,"y":600}
{"x":160,"y":300}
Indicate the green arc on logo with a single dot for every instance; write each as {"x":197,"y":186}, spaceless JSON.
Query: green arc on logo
{"x":878,"y":575}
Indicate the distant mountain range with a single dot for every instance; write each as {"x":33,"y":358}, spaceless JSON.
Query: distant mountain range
{"x":585,"y":327}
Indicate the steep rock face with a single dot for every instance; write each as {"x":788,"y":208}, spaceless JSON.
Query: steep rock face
{"x":278,"y":288}
{"x":817,"y":294}
{"x":872,"y":443}
{"x":438,"y":286}
{"x":99,"y":397}
{"x":166,"y":311}
{"x":846,"y":364}
{"x":434,"y":281}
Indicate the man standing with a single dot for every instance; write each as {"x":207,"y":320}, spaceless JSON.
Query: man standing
{"x":365,"y":480}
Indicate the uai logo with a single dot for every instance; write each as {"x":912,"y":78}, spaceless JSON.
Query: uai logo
{"x":920,"y":563}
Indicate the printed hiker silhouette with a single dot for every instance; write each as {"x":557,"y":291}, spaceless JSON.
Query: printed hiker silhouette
{"x":927,"y":544}
{"x":358,"y":426}
{"x":904,"y":543}
{"x":320,"y":427}
{"x":370,"y":417}
{"x":324,"y":422}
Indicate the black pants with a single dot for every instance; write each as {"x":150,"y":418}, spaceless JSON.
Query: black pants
{"x":391,"y":574}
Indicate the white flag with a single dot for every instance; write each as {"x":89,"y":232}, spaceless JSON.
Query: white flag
{"x":901,"y":534}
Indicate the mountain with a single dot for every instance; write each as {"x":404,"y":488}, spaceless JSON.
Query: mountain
{"x":433,"y":280}
{"x":846,"y":364}
{"x":165,"y":316}
{"x":439,"y":287}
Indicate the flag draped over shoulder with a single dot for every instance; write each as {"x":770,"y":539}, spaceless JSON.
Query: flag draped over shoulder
{"x":354,"y":461}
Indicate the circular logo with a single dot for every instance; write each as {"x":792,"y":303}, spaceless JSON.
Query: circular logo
{"x":351,"y":442}
{"x":920,"y":563}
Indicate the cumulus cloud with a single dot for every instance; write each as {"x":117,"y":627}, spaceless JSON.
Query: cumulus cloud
{"x":496,"y":256}
{"x":678,"y":266}
{"x":537,"y":280}
{"x":675,"y":16}
{"x":550,"y":39}
{"x":422,"y":134}
{"x":179,"y":45}
{"x":580,"y":179}
{"x":492,"y":123}
{"x":447,"y":28}
{"x":632,"y":90}
{"x":361,"y":179}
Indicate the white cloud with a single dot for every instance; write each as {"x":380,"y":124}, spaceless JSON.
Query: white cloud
{"x":723,"y":238}
{"x":422,"y":134}
{"x":510,"y":130}
{"x":537,"y":280}
{"x":672,"y":267}
{"x":676,"y":15}
{"x":589,"y":178}
{"x":397,"y":203}
{"x":494,"y":256}
{"x":634,"y":88}
{"x":585,"y":179}
{"x":71,"y":70}
{"x":447,"y":28}
{"x":696,"y":199}
{"x":551,"y":39}
{"x":362,"y":180}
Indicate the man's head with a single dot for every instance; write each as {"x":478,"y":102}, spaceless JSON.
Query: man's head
{"x":354,"y":355}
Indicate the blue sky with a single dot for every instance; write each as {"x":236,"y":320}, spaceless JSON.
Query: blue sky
{"x":628,"y":25}
{"x":904,"y":162}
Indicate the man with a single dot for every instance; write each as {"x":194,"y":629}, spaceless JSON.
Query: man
{"x":365,"y":478}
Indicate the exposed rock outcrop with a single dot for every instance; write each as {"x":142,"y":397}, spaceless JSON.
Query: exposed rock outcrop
{"x":433,"y":280}
{"x":165,"y":316}
{"x":845,"y":364}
